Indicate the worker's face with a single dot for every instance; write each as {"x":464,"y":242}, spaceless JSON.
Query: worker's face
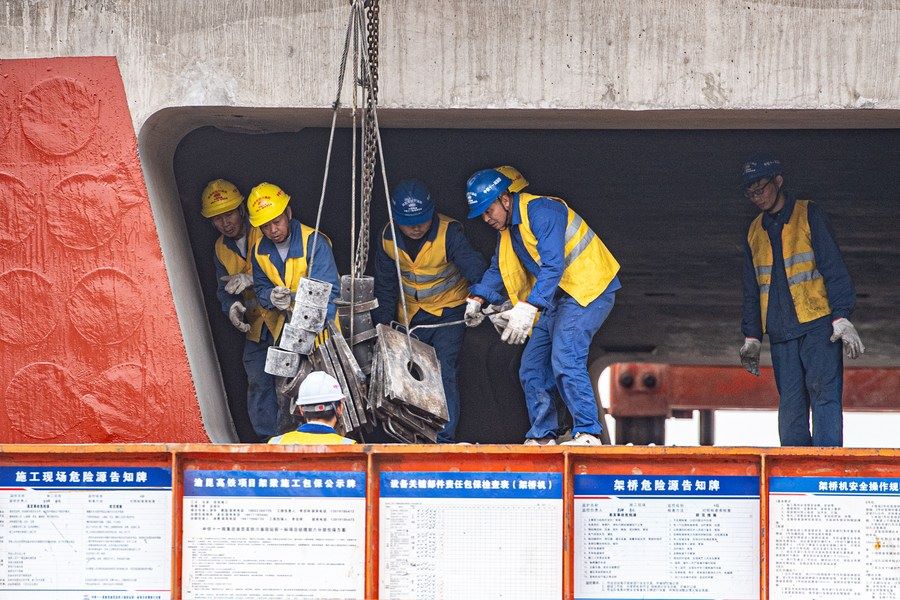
{"x":415,"y":232}
{"x":278,"y":228}
{"x":229,"y":224}
{"x":497,"y":214}
{"x":765,"y":194}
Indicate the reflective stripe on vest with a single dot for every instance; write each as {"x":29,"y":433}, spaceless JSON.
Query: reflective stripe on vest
{"x":234,"y":263}
{"x":431,"y":282}
{"x":295,"y":268}
{"x":589,"y":265}
{"x":805,"y":283}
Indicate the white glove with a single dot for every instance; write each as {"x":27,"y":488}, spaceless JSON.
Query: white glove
{"x":281,"y":297}
{"x":521,"y":318}
{"x":846,"y":332}
{"x":750,"y":355}
{"x":473,"y":316}
{"x":235,"y":284}
{"x":236,"y":316}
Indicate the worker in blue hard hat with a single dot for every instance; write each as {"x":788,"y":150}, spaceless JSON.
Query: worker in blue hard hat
{"x":437,"y":265}
{"x":562,"y":281}
{"x":319,"y":402}
{"x":796,"y":289}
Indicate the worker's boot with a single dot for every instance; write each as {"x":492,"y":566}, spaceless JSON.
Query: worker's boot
{"x":584,"y":439}
{"x":540,"y":442}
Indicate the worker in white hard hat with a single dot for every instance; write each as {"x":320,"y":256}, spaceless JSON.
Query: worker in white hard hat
{"x":320,"y":401}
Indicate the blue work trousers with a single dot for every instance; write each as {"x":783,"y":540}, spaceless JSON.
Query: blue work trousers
{"x":262,"y":404}
{"x":555,"y":358}
{"x":446,"y":342}
{"x":809,"y":373}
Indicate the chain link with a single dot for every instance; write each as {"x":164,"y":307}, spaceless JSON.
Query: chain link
{"x":369,"y":135}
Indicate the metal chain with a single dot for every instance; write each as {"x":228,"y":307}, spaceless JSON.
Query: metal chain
{"x":369,"y":80}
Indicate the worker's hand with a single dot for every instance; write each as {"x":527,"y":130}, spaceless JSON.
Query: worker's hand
{"x":521,"y":318}
{"x":846,"y":332}
{"x":236,"y":316}
{"x":473,"y":316}
{"x":750,"y":355}
{"x":281,"y":297}
{"x":235,"y":284}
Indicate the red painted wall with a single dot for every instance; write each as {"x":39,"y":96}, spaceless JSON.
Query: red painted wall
{"x":90,"y":347}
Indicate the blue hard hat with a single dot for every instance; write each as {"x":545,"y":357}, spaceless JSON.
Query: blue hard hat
{"x":412,"y":203}
{"x":483,"y":188}
{"x":759,"y":167}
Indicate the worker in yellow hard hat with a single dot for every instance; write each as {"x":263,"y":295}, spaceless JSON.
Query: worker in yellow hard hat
{"x":223,"y":205}
{"x":280,"y":259}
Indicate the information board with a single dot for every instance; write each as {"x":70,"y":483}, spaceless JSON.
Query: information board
{"x":666,"y":536}
{"x":465,"y":535}
{"x":834,"y":537}
{"x":273,"y":535}
{"x":85,"y":533}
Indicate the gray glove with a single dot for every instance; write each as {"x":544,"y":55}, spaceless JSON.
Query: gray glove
{"x":499,"y":321}
{"x":473,"y":315}
{"x":750,"y":355}
{"x":237,"y":283}
{"x":846,"y":332}
{"x":236,"y":316}
{"x":281,"y":297}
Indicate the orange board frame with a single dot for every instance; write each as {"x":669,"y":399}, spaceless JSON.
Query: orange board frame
{"x":375,"y":459}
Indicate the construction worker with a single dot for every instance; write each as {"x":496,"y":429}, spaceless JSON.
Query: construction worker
{"x":223,"y":205}
{"x":797,"y":289}
{"x":280,"y":259}
{"x":547,"y":260}
{"x":320,"y":403}
{"x":437,"y":265}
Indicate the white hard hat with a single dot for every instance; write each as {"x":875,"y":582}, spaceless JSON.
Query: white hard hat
{"x":317,"y":391}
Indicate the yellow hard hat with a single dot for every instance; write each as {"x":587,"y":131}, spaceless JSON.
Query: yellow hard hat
{"x":219,"y":196}
{"x":519,"y":183}
{"x":266,"y":202}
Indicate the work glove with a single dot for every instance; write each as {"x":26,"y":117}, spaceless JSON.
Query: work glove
{"x":281,"y":297}
{"x":473,"y":315}
{"x":521,"y":318}
{"x":750,"y":355}
{"x":236,"y":316}
{"x":235,"y":284}
{"x":846,"y":332}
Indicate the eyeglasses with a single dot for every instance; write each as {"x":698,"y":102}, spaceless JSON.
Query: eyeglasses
{"x":757,"y":192}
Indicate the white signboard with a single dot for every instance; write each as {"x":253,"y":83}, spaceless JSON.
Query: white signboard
{"x":470,"y":535}
{"x":834,"y":537}
{"x":85,"y":533}
{"x":273,"y":535}
{"x":666,"y":537}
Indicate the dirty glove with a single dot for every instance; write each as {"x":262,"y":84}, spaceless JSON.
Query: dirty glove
{"x":521,"y":318}
{"x":235,"y":284}
{"x":473,"y":316}
{"x":846,"y":332}
{"x":750,"y":355}
{"x":281,"y":297}
{"x":236,"y":316}
{"x":499,"y":321}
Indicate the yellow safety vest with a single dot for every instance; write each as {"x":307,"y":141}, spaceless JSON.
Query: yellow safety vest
{"x":303,"y":437}
{"x":589,"y":265}
{"x":295,"y":268}
{"x":431,"y":282}
{"x":234,"y":263}
{"x":806,"y":284}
